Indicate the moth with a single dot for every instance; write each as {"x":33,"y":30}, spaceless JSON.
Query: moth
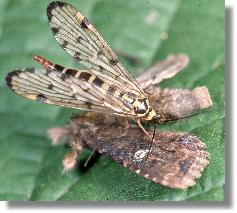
{"x":176,"y":159}
{"x":104,"y":86}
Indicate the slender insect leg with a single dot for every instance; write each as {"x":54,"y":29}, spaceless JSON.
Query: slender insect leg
{"x":126,"y":126}
{"x":126,"y":123}
{"x":70,"y":159}
{"x":139,"y":124}
{"x":90,"y":156}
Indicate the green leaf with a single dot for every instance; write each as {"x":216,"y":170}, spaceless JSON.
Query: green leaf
{"x":30,"y":167}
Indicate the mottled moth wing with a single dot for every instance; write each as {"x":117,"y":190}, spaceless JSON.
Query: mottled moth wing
{"x":162,"y":70}
{"x":79,"y":38}
{"x":176,"y":159}
{"x":54,"y":87}
{"x":179,"y":103}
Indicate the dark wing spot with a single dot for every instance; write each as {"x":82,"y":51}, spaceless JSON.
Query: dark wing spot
{"x":98,"y":81}
{"x":50,"y":86}
{"x":154,"y":77}
{"x":113,"y":61}
{"x":64,"y":44}
{"x":47,"y":72}
{"x":99,"y":53}
{"x":88,"y":104}
{"x":63,"y":77}
{"x":86,"y":89}
{"x":101,"y":68}
{"x":85,"y":76}
{"x":32,"y":70}
{"x":111,"y":89}
{"x":121,"y":94}
{"x":71,"y":72}
{"x":74,"y":96}
{"x":9,"y":76}
{"x":116,"y":77}
{"x":77,"y":56}
{"x":184,"y":166}
{"x":79,"y":39}
{"x":52,"y":6}
{"x":59,"y":67}
{"x":41,"y":98}
{"x":85,"y":23}
{"x":55,"y":30}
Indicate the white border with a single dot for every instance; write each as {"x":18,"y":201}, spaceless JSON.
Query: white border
{"x":4,"y":206}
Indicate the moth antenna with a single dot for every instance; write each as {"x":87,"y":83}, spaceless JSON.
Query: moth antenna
{"x":176,"y":119}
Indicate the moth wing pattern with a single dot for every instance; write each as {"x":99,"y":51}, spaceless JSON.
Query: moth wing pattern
{"x":165,"y":69}
{"x":175,"y":159}
{"x":77,"y":36}
{"x":54,"y":87}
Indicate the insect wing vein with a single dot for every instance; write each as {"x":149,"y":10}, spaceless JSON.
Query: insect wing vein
{"x":53,"y":87}
{"x":78,"y":37}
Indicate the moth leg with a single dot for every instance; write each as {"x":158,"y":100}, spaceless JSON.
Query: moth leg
{"x":140,"y":125}
{"x":126,"y":127}
{"x":90,"y":156}
{"x":70,"y":159}
{"x":126,"y":123}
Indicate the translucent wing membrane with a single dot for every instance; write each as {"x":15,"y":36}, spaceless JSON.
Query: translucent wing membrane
{"x":78,"y":37}
{"x":105,"y":86}
{"x":54,"y":87}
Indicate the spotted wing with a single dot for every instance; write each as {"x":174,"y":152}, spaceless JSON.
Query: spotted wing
{"x":78,"y":38}
{"x":54,"y":87}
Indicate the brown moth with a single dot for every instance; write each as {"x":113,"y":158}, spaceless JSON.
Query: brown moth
{"x":175,"y":159}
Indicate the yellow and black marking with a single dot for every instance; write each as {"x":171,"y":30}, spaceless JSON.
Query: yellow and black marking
{"x":71,"y":72}
{"x":140,"y":106}
{"x":86,"y":76}
{"x":78,"y":37}
{"x":41,"y":98}
{"x":105,"y":86}
{"x":85,"y":23}
{"x":53,"y":6}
